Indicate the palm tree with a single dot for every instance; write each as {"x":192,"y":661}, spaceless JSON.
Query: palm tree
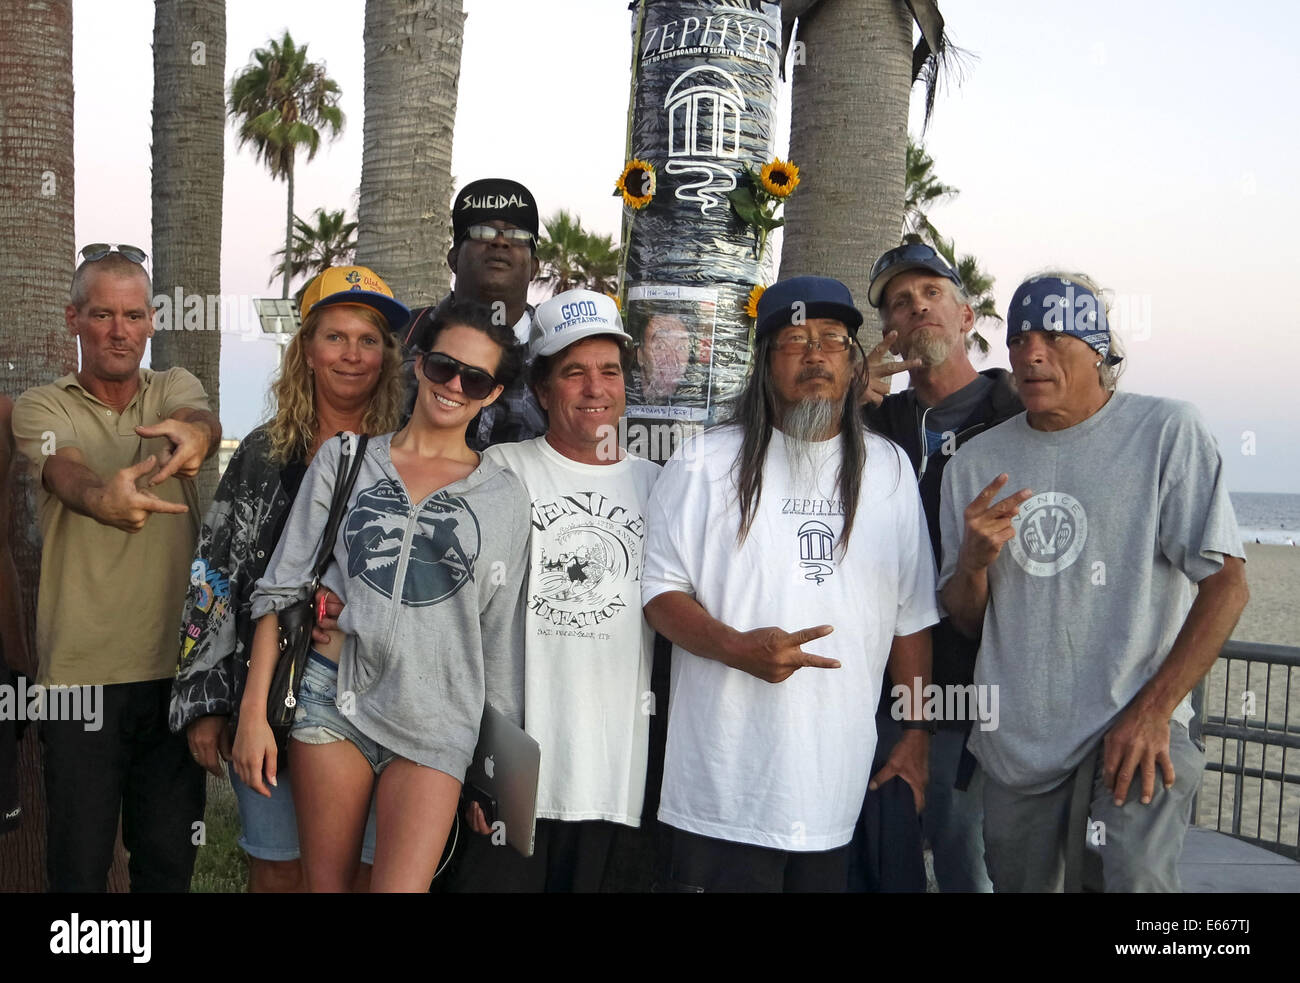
{"x":331,"y":241}
{"x":572,"y":257}
{"x":848,"y":128}
{"x":188,"y":167}
{"x":36,"y":264}
{"x":922,"y":190}
{"x":281,"y":101}
{"x":979,"y":288}
{"x":412,"y":52}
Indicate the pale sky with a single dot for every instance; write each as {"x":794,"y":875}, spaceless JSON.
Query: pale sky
{"x":1150,"y":145}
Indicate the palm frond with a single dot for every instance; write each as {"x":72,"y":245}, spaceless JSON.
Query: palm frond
{"x":572,"y":257}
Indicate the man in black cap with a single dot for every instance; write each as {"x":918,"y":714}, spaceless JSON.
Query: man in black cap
{"x":494,"y":257}
{"x":787,"y":527}
{"x":927,"y":319}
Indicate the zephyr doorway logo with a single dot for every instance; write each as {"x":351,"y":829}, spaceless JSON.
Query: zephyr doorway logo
{"x":816,"y":550}
{"x":704,"y":106}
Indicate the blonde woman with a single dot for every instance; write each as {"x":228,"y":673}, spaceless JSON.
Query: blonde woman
{"x":341,"y":372}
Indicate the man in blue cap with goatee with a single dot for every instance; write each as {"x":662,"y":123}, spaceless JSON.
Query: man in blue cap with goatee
{"x":788,"y":562}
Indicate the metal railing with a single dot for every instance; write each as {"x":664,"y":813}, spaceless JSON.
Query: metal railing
{"x":1249,"y":719}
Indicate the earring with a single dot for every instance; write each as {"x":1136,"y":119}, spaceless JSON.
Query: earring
{"x":1098,"y":365}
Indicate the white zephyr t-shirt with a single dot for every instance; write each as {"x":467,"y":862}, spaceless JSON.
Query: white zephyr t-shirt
{"x":588,"y":649}
{"x":784,"y":765}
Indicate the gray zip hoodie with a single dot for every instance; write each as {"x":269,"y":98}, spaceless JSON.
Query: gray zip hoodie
{"x":433,"y":593}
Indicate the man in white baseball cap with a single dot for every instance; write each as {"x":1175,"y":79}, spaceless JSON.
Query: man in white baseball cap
{"x":588,"y":649}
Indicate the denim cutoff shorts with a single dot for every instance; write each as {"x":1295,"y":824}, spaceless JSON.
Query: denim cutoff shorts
{"x":269,"y":827}
{"x":318,"y":720}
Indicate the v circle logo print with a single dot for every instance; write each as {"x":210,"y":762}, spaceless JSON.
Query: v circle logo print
{"x":1051,"y":529}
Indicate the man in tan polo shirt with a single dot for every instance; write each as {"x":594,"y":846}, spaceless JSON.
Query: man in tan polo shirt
{"x":115,"y":449}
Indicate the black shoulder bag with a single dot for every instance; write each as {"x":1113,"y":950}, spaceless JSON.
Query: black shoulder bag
{"x":297,"y":620}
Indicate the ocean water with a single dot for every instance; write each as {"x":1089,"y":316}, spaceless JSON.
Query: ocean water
{"x":1267,"y":517}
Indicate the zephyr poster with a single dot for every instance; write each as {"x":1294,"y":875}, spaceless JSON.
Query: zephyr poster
{"x":702,"y":113}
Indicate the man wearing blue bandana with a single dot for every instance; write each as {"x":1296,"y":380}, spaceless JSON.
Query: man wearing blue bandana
{"x":1079,"y":586}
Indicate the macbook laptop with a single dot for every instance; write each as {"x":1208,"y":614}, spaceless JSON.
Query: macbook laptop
{"x":504,"y":771}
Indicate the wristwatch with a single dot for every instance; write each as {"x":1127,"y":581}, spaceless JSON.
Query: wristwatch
{"x":931,"y":727}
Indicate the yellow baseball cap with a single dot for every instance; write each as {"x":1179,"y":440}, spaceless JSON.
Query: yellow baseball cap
{"x":354,"y":285}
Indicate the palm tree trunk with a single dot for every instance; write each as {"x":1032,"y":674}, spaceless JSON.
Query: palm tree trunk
{"x":288,"y":226}
{"x":412,"y":59}
{"x":848,"y":132}
{"x":36,"y":264}
{"x":189,"y":54}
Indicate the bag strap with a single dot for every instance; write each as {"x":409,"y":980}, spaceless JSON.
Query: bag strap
{"x":343,"y":483}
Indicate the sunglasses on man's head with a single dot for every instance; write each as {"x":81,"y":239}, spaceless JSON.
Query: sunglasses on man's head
{"x":487,"y":233}
{"x":911,"y":253}
{"x":98,"y":250}
{"x":474,"y":383}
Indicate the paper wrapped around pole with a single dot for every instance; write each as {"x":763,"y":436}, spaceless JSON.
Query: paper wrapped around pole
{"x":703,"y":111}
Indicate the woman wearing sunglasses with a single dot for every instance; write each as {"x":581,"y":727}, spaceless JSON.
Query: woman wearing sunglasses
{"x":430,"y":563}
{"x":341,"y":371}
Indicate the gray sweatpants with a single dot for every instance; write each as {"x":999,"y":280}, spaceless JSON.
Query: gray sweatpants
{"x":1025,"y":835}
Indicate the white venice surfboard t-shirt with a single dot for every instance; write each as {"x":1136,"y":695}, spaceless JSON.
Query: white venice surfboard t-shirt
{"x":588,"y":649}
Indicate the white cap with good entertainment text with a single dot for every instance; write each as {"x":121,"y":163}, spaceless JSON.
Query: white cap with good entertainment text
{"x":572,"y":316}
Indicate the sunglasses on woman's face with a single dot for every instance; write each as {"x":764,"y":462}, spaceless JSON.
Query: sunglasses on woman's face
{"x":474,"y":383}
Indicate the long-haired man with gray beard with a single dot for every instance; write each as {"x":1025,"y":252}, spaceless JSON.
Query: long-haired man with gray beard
{"x":789,"y":527}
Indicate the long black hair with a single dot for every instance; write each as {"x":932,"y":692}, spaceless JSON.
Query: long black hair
{"x":757,"y":413}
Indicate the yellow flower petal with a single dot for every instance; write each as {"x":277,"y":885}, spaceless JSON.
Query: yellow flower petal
{"x":751,"y":305}
{"x":779,"y":178}
{"x":636,"y":184}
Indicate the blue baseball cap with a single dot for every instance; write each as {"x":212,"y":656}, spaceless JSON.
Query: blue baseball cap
{"x":1053,"y":303}
{"x":819,"y":296}
{"x":913,"y":256}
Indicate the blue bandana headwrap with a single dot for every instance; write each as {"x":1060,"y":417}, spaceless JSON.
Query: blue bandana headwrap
{"x":1056,"y":304}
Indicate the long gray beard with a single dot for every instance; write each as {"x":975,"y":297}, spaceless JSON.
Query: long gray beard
{"x":804,"y":425}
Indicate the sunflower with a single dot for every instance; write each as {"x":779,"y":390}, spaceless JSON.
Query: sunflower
{"x":618,"y":304}
{"x":751,"y":305}
{"x":636,"y":184}
{"x":779,"y":178}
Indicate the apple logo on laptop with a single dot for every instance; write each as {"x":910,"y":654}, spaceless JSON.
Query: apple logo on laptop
{"x":488,"y":765}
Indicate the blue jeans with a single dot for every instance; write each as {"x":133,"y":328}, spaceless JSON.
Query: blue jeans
{"x":953,"y":820}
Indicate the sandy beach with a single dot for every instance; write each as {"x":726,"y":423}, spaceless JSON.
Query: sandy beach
{"x":1273,"y":614}
{"x":1272,"y":617}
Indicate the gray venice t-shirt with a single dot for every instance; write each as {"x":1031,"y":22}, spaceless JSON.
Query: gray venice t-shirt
{"x":1130,"y":509}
